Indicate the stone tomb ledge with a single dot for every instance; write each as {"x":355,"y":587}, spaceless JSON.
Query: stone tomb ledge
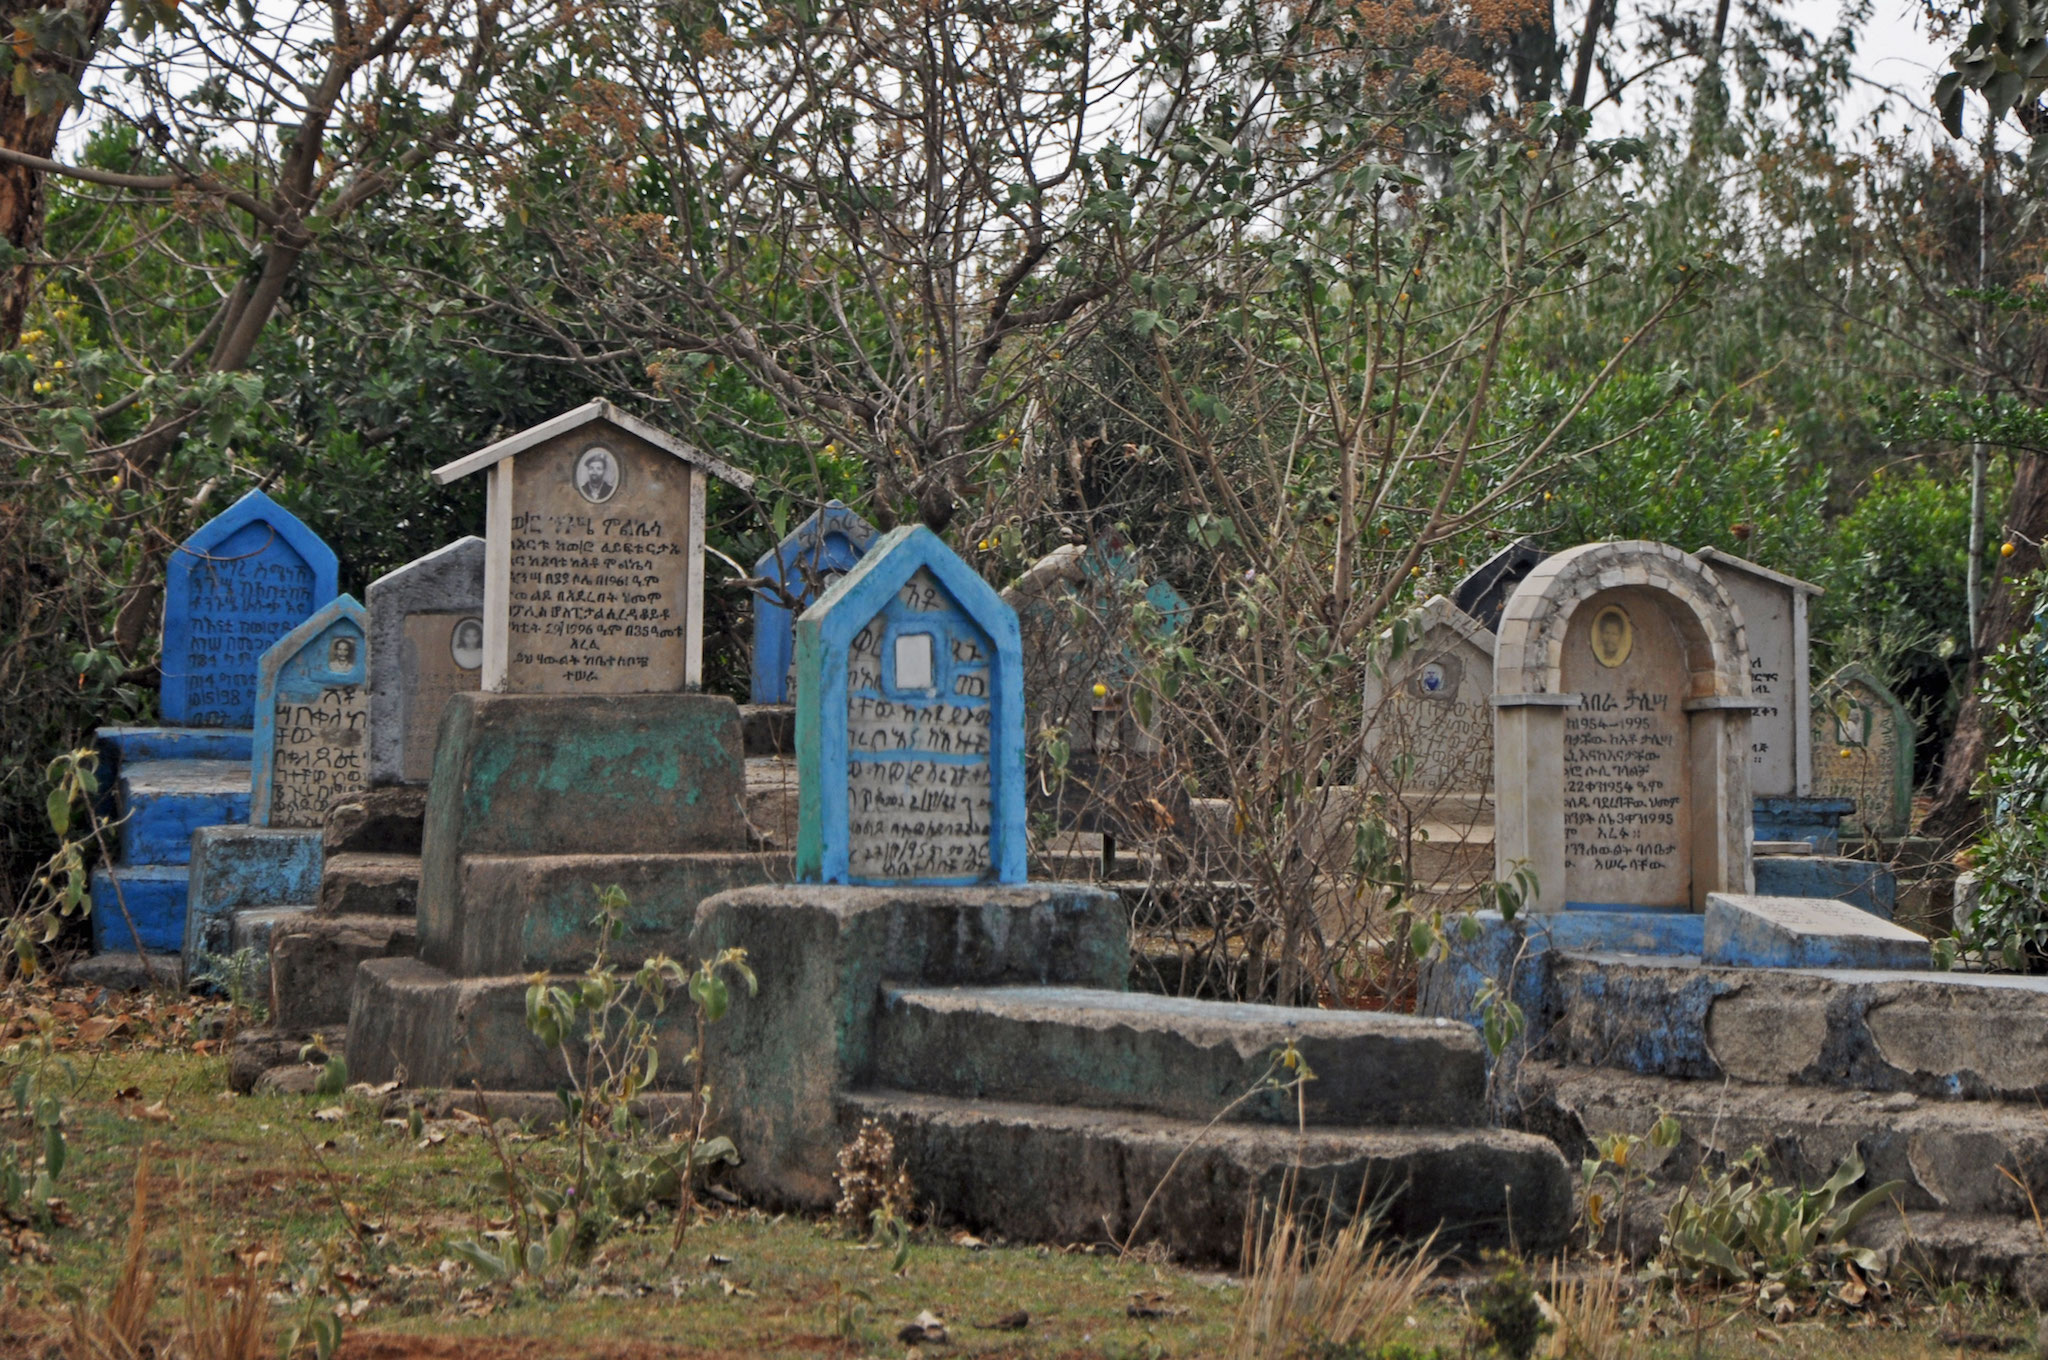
{"x":244,"y":868}
{"x":1937,"y":1035}
{"x":1744,"y":930}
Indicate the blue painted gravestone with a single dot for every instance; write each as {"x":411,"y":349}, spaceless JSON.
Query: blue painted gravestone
{"x":910,"y":723}
{"x":312,"y":742}
{"x":821,"y":550}
{"x":243,"y":581}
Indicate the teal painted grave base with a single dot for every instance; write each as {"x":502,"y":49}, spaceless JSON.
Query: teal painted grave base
{"x":245,"y":868}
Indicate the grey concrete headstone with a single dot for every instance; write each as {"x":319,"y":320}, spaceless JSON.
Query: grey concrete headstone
{"x":422,"y":617}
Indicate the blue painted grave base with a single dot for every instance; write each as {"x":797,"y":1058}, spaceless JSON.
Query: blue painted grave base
{"x":126,"y":745}
{"x":244,"y":868}
{"x":1861,"y":883}
{"x":165,"y":801}
{"x":1817,"y":821}
{"x":155,"y":897}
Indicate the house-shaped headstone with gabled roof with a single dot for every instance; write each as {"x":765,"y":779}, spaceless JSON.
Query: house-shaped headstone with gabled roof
{"x":245,"y":579}
{"x":1484,"y":592}
{"x":594,"y":555}
{"x":910,"y":723}
{"x":1863,"y":738}
{"x":1773,"y":608}
{"x":800,"y":568}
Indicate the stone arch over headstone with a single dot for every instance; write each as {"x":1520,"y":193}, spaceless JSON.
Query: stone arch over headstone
{"x":1622,"y":758}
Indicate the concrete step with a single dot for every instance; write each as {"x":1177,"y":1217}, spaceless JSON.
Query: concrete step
{"x":532,"y":913}
{"x":768,"y":729}
{"x":313,"y":965}
{"x":1066,"y":1175}
{"x":124,"y":746}
{"x":240,"y":868}
{"x":386,"y":820}
{"x":409,"y":1021}
{"x":355,"y":884}
{"x":1948,"y":1153}
{"x":1980,"y":1249}
{"x":154,"y":898}
{"x":1177,"y":1057}
{"x":1971,"y":1036}
{"x":164,"y":801}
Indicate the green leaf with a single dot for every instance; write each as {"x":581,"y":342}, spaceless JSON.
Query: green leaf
{"x":59,"y":806}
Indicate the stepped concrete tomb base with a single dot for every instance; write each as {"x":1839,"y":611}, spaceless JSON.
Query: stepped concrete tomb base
{"x":1744,"y":930}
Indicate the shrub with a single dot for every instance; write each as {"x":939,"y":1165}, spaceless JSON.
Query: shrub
{"x":2010,"y":923}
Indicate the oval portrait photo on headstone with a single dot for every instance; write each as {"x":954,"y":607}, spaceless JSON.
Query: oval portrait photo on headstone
{"x":597,"y":474}
{"x":1613,"y":636}
{"x":466,"y":643}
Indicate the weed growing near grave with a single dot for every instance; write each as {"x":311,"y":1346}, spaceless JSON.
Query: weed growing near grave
{"x":1509,"y":1311}
{"x":1622,"y":1164}
{"x":62,"y":888}
{"x":1345,"y":1294}
{"x":2010,"y":925}
{"x":874,"y":1191}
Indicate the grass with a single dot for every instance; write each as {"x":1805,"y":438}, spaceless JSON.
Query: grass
{"x":356,"y":1215}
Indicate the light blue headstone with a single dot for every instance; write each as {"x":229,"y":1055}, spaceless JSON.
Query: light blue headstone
{"x":910,"y":723}
{"x":247,"y":578}
{"x":312,"y":742}
{"x":822,"y":548}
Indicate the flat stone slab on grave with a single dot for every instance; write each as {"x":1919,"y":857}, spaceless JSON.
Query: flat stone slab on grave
{"x":131,"y":745}
{"x":1748,"y":931}
{"x":167,"y":800}
{"x":1178,"y":1057}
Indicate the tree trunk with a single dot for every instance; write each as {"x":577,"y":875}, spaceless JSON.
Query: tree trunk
{"x":1956,"y":816}
{"x":21,"y":188}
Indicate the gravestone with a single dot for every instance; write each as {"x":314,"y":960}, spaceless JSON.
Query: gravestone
{"x":1484,"y":592}
{"x":1621,"y":685}
{"x":426,"y":643}
{"x":910,"y":723}
{"x":1428,"y":713}
{"x":1863,"y":741}
{"x":1081,"y":611}
{"x":1774,"y":611}
{"x":820,"y":550}
{"x":248,"y":577}
{"x":594,"y":556}
{"x":312,"y":744}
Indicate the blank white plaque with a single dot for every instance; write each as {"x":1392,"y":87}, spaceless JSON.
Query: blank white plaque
{"x":913,"y":661}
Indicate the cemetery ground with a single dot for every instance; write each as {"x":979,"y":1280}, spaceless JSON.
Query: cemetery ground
{"x":345,"y":1208}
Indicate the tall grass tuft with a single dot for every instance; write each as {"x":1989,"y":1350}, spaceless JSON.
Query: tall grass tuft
{"x":1307,"y":1291}
{"x":115,"y":1331}
{"x":1588,"y":1315}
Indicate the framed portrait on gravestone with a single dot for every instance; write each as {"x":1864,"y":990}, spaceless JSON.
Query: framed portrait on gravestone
{"x":1613,"y":636}
{"x":466,"y":644}
{"x":1427,"y":724}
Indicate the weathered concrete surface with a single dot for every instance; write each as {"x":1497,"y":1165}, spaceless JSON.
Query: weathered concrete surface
{"x":532,"y":913}
{"x":242,"y":868}
{"x":1449,"y":986}
{"x":125,"y":971}
{"x":150,"y":896}
{"x":1817,"y":821}
{"x":448,"y":582}
{"x":1181,"y":1058}
{"x":1064,"y":1175}
{"x":822,"y":954}
{"x":1862,"y":883}
{"x":1744,"y":930}
{"x":772,"y":803}
{"x":1948,"y":1153}
{"x":313,"y":966}
{"x":1940,"y":1035}
{"x":357,"y":884}
{"x":167,"y":800}
{"x":256,"y":1051}
{"x":769,"y":729}
{"x":378,"y":821}
{"x":409,"y":1021}
{"x":577,"y":775}
{"x":1983,"y":1249}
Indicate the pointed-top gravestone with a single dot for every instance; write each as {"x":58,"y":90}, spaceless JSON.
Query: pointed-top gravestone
{"x":248,"y":577}
{"x":1773,"y":608}
{"x":1863,"y":740}
{"x":426,"y":643}
{"x":910,"y":723}
{"x":312,"y":743}
{"x":804,"y":565}
{"x":1484,"y":592}
{"x":1428,"y":711}
{"x":594,"y":555}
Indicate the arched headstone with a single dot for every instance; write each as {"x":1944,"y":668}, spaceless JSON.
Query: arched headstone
{"x":248,"y":577}
{"x":804,"y":565}
{"x":312,"y":743}
{"x":426,"y":643}
{"x":910,"y":723}
{"x":1863,"y":739}
{"x":1621,"y":739}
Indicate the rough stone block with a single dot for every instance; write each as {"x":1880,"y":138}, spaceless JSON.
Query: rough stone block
{"x":577,"y":775}
{"x":769,"y":729}
{"x":256,"y":1051}
{"x":379,"y":821}
{"x":772,"y":802}
{"x":1176,"y":1057}
{"x":1747,"y":931}
{"x":1086,"y":1175}
{"x":370,"y":885}
{"x":313,"y":966}
{"x":532,"y":913}
{"x":125,"y":971}
{"x":821,"y":954}
{"x":1864,"y":884}
{"x":167,"y":800}
{"x":235,"y":868}
{"x":152,"y":896}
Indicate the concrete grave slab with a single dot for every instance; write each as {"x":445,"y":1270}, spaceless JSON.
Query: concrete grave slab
{"x":312,"y":747}
{"x":165,"y":801}
{"x":237,"y":868}
{"x":244,"y":580}
{"x":804,"y":565}
{"x":1747,"y":931}
{"x":594,"y":542}
{"x":426,"y":643}
{"x":910,"y":723}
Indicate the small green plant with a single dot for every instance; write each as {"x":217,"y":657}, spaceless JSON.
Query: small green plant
{"x":1740,"y":1227}
{"x":36,"y":1073}
{"x":2009,"y":927}
{"x":62,"y":887}
{"x":236,"y":975}
{"x":1509,"y":1313}
{"x":1622,"y":1163}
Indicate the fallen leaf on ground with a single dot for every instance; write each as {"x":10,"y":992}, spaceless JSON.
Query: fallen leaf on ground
{"x":332,"y":1114}
{"x":159,"y":1113}
{"x":926,"y":1328}
{"x":101,"y":1028}
{"x":968,"y":1240}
